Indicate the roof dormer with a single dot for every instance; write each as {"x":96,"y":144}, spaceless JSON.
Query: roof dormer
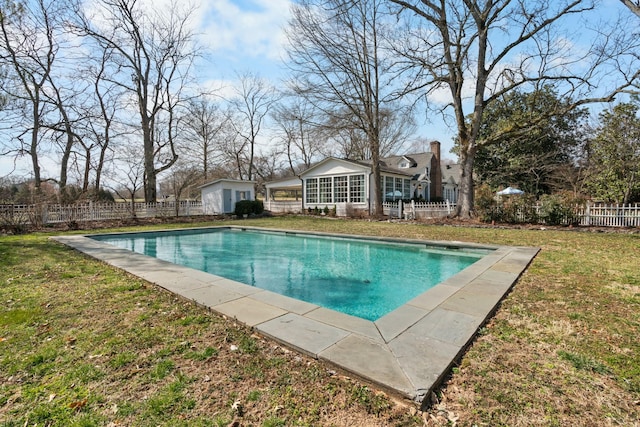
{"x":406,"y":162}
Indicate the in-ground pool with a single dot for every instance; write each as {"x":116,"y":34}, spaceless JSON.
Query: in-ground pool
{"x":408,"y":351}
{"x":359,"y":277}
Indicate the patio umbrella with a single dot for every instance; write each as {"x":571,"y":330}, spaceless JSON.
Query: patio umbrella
{"x":509,"y":191}
{"x":395,"y":194}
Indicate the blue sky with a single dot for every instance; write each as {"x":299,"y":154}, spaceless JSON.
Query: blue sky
{"x":248,"y":36}
{"x":242,"y":36}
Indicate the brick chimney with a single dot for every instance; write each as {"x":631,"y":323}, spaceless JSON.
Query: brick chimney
{"x":436,"y":171}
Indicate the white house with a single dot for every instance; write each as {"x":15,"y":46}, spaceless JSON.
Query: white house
{"x":348,"y":184}
{"x":220,"y":196}
{"x":451,"y":175}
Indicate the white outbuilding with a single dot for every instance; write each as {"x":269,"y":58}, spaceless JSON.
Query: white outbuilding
{"x":220,"y":196}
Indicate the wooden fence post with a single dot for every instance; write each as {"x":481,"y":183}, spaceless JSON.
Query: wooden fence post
{"x":587,"y":213}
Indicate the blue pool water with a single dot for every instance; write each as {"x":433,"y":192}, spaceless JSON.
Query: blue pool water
{"x":363,"y":278}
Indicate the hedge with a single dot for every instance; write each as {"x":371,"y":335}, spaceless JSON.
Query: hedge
{"x":248,"y":207}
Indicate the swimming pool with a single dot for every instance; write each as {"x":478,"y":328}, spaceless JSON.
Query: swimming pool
{"x":359,"y":277}
{"x":408,"y":351}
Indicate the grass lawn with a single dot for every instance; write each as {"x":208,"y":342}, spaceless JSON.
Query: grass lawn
{"x":84,"y":344}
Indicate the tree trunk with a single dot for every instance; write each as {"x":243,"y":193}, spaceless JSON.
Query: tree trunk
{"x":87,"y":169}
{"x":150,"y":193}
{"x":205,"y":160}
{"x":33,"y":150}
{"x":251,"y":155}
{"x":100,"y":166}
{"x":465,"y":206}
{"x":375,"y":168}
{"x":66,"y":154}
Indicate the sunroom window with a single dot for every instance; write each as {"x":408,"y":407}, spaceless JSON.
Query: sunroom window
{"x":356,"y":189}
{"x":312,"y":190}
{"x":335,"y":189}
{"x":340,"y":189}
{"x":326,"y":190}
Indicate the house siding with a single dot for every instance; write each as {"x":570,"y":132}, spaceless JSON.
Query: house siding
{"x":330,"y":182}
{"x":213,"y":195}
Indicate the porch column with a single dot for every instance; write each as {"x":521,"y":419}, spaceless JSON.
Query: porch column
{"x":268,"y":197}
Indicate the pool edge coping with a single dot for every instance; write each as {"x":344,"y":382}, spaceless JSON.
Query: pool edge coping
{"x":407,"y":352}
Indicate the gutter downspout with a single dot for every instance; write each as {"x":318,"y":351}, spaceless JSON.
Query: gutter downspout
{"x":369,"y":192}
{"x":303,"y":193}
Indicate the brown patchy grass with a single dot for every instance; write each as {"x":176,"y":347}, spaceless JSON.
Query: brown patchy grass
{"x":84,"y":344}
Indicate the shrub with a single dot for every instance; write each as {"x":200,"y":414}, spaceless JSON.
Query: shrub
{"x":509,"y":209}
{"x":519,"y":208}
{"x":557,"y":209}
{"x":101,"y":195}
{"x":249,"y":207}
{"x":486,"y":205}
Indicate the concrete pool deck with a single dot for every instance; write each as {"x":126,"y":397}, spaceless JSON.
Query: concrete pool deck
{"x":408,"y":352}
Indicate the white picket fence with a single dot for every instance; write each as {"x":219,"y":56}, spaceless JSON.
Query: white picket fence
{"x":599,"y":215}
{"x":417,"y":210}
{"x":53,"y":213}
{"x":283,"y":206}
{"x":589,"y":215}
{"x":609,"y":215}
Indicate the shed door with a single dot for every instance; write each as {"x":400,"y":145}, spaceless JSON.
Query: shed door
{"x":228,"y":205}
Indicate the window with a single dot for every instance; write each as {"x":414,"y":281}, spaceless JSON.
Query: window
{"x":335,"y":189}
{"x":312,"y":190}
{"x":406,"y":189}
{"x":326,"y":190}
{"x":388,"y":189}
{"x":356,"y":189}
{"x":397,"y":190}
{"x":450,"y":194}
{"x":340,"y":189}
{"x":242,"y":195}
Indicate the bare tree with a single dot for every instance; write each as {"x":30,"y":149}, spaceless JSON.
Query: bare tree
{"x":298,"y":132}
{"x":339,"y":64}
{"x":128,"y":175}
{"x":268,"y":164}
{"x":205,"y":123}
{"x":182,"y":179}
{"x":484,"y":50}
{"x":346,"y":141}
{"x":29,"y":49}
{"x":395,"y":127}
{"x":63,"y":93}
{"x":99,"y":122}
{"x":234,"y":149}
{"x":153,"y":52}
{"x":251,"y":104}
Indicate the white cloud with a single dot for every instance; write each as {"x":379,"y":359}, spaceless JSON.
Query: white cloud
{"x":248,"y":28}
{"x":221,"y":89}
